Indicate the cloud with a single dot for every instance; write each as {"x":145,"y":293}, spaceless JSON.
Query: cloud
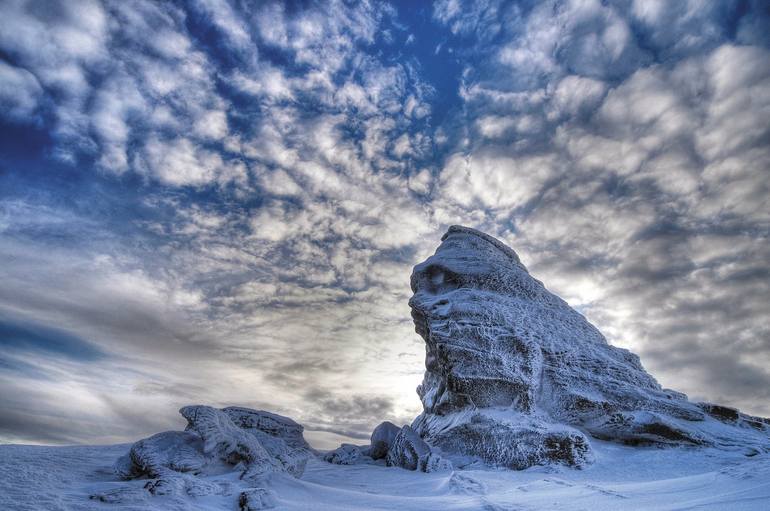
{"x":29,"y":337}
{"x":351,"y":416}
{"x":318,"y":218}
{"x":181,"y":163}
{"x":20,"y":93}
{"x":483,"y":179}
{"x":244,"y":188}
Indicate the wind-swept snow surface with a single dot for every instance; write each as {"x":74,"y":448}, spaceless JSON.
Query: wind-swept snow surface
{"x":623,"y":477}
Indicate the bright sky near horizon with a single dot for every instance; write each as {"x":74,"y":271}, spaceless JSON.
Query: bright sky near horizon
{"x":220,"y":202}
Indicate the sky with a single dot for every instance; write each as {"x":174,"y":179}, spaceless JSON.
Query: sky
{"x":220,"y":202}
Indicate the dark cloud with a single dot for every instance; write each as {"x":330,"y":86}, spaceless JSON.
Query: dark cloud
{"x":37,"y":338}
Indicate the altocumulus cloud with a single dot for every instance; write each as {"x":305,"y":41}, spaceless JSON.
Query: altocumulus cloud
{"x":221,"y":202}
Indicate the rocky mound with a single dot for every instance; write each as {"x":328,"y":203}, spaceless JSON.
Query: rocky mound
{"x":254,"y":444}
{"x":515,"y":377}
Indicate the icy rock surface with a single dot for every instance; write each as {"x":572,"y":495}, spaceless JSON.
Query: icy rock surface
{"x":346,"y":454}
{"x":256,"y":499}
{"x":233,"y":434}
{"x":269,"y":423}
{"x":178,"y":451}
{"x":515,"y":377}
{"x":411,"y":452}
{"x":252,"y":443}
{"x":382,"y":438}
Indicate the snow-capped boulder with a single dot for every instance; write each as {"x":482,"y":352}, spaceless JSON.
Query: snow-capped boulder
{"x":515,"y":377}
{"x":227,"y":442}
{"x":256,"y":499}
{"x":178,"y":451}
{"x":260,"y":453}
{"x":346,"y":454}
{"x":270,"y":423}
{"x":382,"y":438}
{"x":411,"y":452}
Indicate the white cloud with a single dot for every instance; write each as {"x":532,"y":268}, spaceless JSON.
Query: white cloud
{"x":227,"y":22}
{"x":179,"y":162}
{"x":494,"y":126}
{"x":575,"y":94}
{"x":740,"y":78}
{"x":494,"y":181}
{"x":170,"y":43}
{"x":279,"y":182}
{"x":421,"y":182}
{"x":56,"y":48}
{"x":211,"y":125}
{"x":20,"y":92}
{"x":402,"y":146}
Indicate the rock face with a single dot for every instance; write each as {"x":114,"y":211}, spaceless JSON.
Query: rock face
{"x":253,"y":443}
{"x":514,"y":377}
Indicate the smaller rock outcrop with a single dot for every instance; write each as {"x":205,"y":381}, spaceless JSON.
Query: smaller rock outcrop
{"x":382,"y":438}
{"x":346,"y":454}
{"x":177,"y":451}
{"x":256,"y":499}
{"x":235,"y":435}
{"x":411,"y":452}
{"x":253,"y":443}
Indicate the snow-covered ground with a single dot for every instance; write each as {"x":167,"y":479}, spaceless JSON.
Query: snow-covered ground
{"x":63,"y":478}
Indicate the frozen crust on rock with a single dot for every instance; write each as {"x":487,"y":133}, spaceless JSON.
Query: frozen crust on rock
{"x":515,"y":377}
{"x":255,"y":444}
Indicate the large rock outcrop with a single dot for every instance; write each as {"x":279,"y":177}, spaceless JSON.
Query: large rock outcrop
{"x":515,"y":377}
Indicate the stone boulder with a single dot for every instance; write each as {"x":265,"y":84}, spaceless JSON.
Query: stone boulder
{"x":268,"y":423}
{"x":177,"y":451}
{"x":411,"y":452}
{"x":346,"y":454}
{"x":382,"y":438}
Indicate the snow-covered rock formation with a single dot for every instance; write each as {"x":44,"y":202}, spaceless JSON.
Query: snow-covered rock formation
{"x":515,"y":377}
{"x":347,"y":454}
{"x":254,"y":444}
{"x":382,"y":438}
{"x":410,"y":451}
